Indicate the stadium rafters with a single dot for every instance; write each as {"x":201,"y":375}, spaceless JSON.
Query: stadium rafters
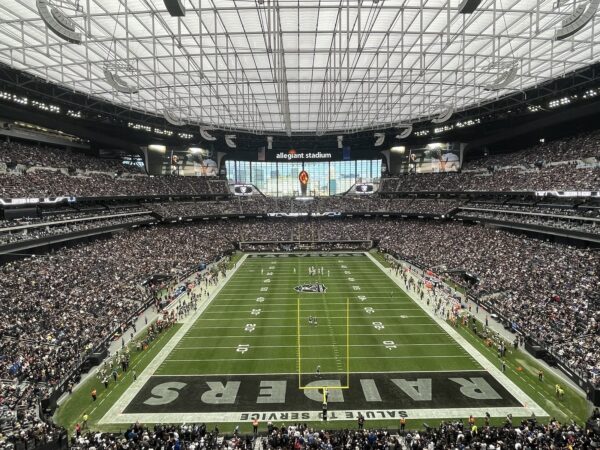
{"x":301,"y":67}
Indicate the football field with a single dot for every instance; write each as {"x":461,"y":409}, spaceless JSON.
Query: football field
{"x":286,"y":326}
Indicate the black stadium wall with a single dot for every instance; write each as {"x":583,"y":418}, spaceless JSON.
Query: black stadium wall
{"x":504,"y":124}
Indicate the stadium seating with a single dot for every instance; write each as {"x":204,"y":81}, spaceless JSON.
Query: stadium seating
{"x":529,"y":278}
{"x":522,"y":277}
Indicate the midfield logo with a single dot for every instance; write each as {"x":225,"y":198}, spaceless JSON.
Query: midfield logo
{"x":311,"y":287}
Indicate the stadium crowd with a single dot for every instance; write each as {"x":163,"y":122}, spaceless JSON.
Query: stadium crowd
{"x":560,"y":177}
{"x":528,"y":434}
{"x":59,"y":306}
{"x":582,"y":146}
{"x":546,"y":221}
{"x":44,"y":183}
{"x":318,"y":205}
{"x":13,"y":153}
{"x":562,"y":164}
{"x":24,"y":233}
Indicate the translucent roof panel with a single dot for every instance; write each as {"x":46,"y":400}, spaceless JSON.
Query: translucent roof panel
{"x":289,"y":66}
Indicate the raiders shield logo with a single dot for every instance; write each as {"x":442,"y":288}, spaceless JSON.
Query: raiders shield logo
{"x":311,"y":287}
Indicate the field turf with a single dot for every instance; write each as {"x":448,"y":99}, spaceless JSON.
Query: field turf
{"x":252,"y":325}
{"x":251,"y":352}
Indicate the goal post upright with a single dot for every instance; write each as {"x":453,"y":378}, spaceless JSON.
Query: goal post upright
{"x":299,"y":346}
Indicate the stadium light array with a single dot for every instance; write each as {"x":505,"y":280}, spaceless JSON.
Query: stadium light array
{"x":74,"y":114}
{"x":162,"y":132}
{"x":185,"y":135}
{"x":422,"y":133}
{"x":139,"y":127}
{"x":443,"y":129}
{"x":46,"y":107}
{"x":14,"y":98}
{"x":468,"y":123}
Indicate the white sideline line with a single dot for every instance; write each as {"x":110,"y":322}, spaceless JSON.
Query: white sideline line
{"x":119,"y":406}
{"x":312,"y":416}
{"x":319,"y":358}
{"x":522,"y":397}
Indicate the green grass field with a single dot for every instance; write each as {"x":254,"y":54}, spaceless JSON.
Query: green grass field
{"x":252,"y":351}
{"x":212,"y":345}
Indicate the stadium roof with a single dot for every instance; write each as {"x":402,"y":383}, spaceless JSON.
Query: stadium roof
{"x":298,"y":66}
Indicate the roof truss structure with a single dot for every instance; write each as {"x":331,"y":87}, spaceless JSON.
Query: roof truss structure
{"x":301,"y":67}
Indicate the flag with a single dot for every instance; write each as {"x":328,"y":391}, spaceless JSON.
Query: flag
{"x":261,"y":154}
{"x":346,"y":153}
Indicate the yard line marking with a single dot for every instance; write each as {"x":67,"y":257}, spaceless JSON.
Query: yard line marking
{"x":317,"y":345}
{"x":258,"y":311}
{"x":287,"y":309}
{"x":320,"y":358}
{"x":322,"y":373}
{"x":257,"y":319}
{"x":313,"y":335}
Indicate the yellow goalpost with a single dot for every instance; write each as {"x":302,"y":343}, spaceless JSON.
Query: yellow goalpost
{"x":299,"y":343}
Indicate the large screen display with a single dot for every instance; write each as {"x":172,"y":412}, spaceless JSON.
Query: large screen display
{"x":323,"y":178}
{"x":433,"y":158}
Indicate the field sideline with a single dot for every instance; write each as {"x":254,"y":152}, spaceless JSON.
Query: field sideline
{"x":241,"y":357}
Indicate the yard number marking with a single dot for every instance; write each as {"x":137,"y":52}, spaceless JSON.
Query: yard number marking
{"x":390,"y":344}
{"x":242,"y":348}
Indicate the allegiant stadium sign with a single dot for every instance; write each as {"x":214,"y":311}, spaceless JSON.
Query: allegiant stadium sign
{"x":292,"y":155}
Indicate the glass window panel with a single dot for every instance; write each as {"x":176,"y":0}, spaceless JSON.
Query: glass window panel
{"x":325,"y":178}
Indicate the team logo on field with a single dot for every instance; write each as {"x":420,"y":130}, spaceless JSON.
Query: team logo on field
{"x":311,"y":287}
